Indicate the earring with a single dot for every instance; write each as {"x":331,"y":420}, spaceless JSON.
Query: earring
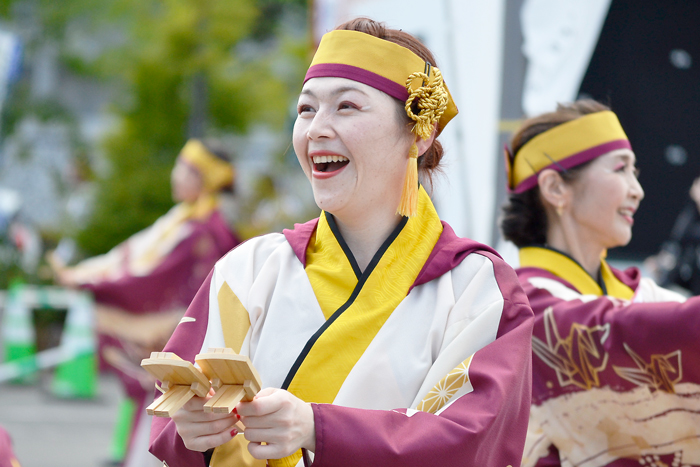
{"x":560,"y":210}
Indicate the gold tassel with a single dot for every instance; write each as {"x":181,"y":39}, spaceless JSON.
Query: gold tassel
{"x":409,"y":197}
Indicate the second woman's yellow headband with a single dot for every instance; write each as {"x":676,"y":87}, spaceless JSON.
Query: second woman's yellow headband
{"x":565,"y":146}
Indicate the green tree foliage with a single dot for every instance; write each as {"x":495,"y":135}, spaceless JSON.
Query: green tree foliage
{"x":174,"y":69}
{"x":186,"y":73}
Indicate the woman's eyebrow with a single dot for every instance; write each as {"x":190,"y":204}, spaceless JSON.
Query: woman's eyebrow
{"x":335,"y":92}
{"x":627,"y":158}
{"x":344,"y":89}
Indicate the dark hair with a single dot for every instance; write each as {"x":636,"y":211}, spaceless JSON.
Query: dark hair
{"x":217,"y":148}
{"x":429,"y":161}
{"x":524,"y":219}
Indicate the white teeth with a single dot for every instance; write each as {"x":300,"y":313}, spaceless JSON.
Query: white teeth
{"x":326,"y":159}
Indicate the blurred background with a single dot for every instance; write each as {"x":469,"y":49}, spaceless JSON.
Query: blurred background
{"x":97,"y":99}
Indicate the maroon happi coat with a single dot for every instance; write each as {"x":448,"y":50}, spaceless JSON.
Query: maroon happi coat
{"x":7,"y":455}
{"x":616,"y":382}
{"x":174,"y":282}
{"x":484,"y":428}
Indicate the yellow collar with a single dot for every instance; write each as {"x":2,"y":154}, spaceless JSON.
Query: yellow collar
{"x":333,"y":272}
{"x":568,"y":269}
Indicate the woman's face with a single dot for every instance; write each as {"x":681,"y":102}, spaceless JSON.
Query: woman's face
{"x":186,"y":183}
{"x":352,"y":146}
{"x":605,"y":197}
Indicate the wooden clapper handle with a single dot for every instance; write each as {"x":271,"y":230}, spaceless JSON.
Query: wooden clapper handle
{"x":233,"y":377}
{"x":181,"y":381}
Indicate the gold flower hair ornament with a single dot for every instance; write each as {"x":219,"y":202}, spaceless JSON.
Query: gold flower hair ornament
{"x":431,"y":99}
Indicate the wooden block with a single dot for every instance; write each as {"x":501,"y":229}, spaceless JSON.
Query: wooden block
{"x":199,"y":389}
{"x":174,"y":400}
{"x":229,"y":400}
{"x":173,"y":369}
{"x":225,"y":399}
{"x":150,"y":410}
{"x":168,"y":403}
{"x":229,"y":367}
{"x":240,"y":426}
{"x":251,"y":388}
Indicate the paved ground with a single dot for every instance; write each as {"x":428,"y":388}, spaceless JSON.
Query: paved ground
{"x":51,"y":432}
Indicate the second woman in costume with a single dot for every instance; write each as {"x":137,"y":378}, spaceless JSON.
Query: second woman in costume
{"x":616,"y":360}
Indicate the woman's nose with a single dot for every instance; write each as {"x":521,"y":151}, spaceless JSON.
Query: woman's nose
{"x":320,"y":127}
{"x":636,"y":189}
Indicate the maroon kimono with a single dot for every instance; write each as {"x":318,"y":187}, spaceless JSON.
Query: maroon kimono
{"x":616,"y":381}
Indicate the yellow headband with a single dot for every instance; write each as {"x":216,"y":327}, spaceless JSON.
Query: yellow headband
{"x":565,"y":146}
{"x":382,"y":64}
{"x":216,"y":173}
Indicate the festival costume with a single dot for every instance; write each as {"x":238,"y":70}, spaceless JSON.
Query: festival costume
{"x":143,"y":286}
{"x":422,"y":358}
{"x":615,"y":367}
{"x":615,"y":364}
{"x":7,"y":455}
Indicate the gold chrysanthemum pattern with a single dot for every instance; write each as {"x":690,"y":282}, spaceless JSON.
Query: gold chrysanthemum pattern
{"x":448,"y":386}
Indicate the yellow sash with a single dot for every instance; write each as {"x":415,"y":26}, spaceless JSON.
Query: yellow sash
{"x":357,"y":307}
{"x":566,"y":268}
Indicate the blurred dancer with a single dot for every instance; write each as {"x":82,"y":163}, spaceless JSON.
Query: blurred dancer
{"x":143,"y":286}
{"x":7,"y":455}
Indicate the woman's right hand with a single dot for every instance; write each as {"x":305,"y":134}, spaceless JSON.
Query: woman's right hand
{"x":201,"y":430}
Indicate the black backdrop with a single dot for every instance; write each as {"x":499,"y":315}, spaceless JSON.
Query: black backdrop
{"x":646,"y":66}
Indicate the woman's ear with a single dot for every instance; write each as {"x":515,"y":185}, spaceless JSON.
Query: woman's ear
{"x":424,"y":144}
{"x":553,"y":189}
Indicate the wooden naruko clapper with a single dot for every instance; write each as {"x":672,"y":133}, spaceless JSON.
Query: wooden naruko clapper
{"x":233,"y":377}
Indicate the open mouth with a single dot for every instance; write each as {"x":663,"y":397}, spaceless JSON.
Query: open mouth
{"x":329,"y":163}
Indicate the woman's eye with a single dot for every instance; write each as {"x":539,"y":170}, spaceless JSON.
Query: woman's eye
{"x":303,"y":108}
{"x":347,"y":105}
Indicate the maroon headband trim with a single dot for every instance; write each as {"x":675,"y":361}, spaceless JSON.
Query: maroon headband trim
{"x":574,"y":160}
{"x":339,"y":70}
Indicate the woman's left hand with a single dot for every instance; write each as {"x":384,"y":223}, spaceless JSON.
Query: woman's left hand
{"x":281,"y":420}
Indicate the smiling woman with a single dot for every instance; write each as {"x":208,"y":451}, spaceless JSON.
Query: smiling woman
{"x":607,"y":344}
{"x":381,"y":337}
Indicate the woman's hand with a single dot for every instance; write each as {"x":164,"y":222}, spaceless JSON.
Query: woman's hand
{"x":281,"y":420}
{"x":202,"y":431}
{"x":58,"y":268}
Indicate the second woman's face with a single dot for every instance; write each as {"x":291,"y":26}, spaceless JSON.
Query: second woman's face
{"x":352,"y":145}
{"x":605,"y":197}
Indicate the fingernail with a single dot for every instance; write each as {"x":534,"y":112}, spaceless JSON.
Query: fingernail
{"x":234,"y":432}
{"x":235,"y":411}
{"x":239,"y":417}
